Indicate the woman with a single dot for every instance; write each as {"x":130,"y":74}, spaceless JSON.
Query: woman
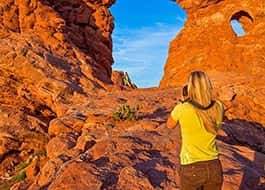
{"x":199,"y":118}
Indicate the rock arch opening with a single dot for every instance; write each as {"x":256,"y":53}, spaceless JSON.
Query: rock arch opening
{"x":241,"y":22}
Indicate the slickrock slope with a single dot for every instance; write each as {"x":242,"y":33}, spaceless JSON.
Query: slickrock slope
{"x":208,"y":42}
{"x":87,"y":149}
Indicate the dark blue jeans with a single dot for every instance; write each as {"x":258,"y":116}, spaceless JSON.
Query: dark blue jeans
{"x":206,"y":175}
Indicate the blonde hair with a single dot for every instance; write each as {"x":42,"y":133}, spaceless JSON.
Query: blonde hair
{"x":200,"y":92}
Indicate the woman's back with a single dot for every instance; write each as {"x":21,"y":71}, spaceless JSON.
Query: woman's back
{"x":197,"y":143}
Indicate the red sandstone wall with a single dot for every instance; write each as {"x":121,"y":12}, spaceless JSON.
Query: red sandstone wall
{"x":236,"y":65}
{"x":208,"y":42}
{"x":49,"y":46}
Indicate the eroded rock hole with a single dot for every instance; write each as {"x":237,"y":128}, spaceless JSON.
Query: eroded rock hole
{"x":241,"y":22}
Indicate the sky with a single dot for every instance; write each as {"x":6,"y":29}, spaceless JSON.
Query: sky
{"x":237,"y":27}
{"x":141,"y":37}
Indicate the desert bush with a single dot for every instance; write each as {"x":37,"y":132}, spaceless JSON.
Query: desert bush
{"x":20,"y":176}
{"x":126,"y":112}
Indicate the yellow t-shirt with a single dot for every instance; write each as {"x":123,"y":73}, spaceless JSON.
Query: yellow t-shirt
{"x":197,"y":143}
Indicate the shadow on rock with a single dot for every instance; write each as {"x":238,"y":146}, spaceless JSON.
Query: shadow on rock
{"x":158,"y":113}
{"x":242,"y":133}
{"x":150,"y":167}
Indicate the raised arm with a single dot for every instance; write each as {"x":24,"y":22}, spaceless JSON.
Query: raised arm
{"x":173,"y":119}
{"x":171,"y":123}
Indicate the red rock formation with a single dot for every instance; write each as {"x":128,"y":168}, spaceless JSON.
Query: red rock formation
{"x":50,"y":51}
{"x":122,"y":79}
{"x":56,"y":123}
{"x":208,"y":43}
{"x":64,"y":44}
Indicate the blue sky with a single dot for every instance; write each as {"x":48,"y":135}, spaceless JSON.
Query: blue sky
{"x":143,"y":30}
{"x":237,"y":27}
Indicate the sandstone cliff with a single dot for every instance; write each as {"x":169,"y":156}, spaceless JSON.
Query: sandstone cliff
{"x":235,"y":64}
{"x":65,"y":44}
{"x":49,"y":52}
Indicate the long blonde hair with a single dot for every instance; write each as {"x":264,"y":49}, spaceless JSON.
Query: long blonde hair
{"x":200,"y":92}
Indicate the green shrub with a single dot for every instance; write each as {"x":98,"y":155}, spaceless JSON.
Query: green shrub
{"x":126,"y":112}
{"x":20,"y":176}
{"x":24,"y":165}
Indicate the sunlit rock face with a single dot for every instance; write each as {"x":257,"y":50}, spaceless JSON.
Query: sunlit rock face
{"x":208,"y":42}
{"x":65,"y":43}
{"x":50,"y":53}
{"x":187,"y":4}
{"x":52,"y":50}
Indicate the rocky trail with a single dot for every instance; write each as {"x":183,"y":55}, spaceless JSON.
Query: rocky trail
{"x":86,"y":148}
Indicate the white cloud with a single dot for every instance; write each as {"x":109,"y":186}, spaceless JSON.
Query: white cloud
{"x":143,"y":52}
